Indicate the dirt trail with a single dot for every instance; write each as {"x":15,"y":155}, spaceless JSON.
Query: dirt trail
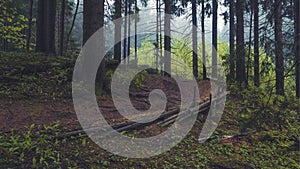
{"x":17,"y":113}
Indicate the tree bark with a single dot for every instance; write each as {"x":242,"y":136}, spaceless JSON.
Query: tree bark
{"x":167,"y":36}
{"x":118,"y":29}
{"x":203,"y":39}
{"x":240,"y":46}
{"x":46,"y":26}
{"x":232,"y":39}
{"x":157,"y":34}
{"x":93,"y":20}
{"x":135,"y":30}
{"x":279,"y":48}
{"x":160,"y":38}
{"x":215,"y":39}
{"x":57,"y":29}
{"x":51,"y":26}
{"x":195,"y":40}
{"x":129,"y":31}
{"x":125,"y":31}
{"x":93,"y":17}
{"x":40,"y":42}
{"x":256,"y":43}
{"x":249,"y":46}
{"x":297,"y":45}
{"x":62,"y":27}
{"x":29,"y":25}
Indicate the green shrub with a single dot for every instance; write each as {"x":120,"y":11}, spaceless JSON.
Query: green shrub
{"x":30,"y":75}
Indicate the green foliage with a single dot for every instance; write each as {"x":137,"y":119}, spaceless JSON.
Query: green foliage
{"x":146,"y":54}
{"x":261,"y":108}
{"x":276,"y":120}
{"x":12,"y":24}
{"x":270,"y":147}
{"x":182,"y":58}
{"x":35,"y":75}
{"x":37,"y":148}
{"x":137,"y":81}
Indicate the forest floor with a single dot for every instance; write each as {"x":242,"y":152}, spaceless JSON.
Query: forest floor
{"x":20,"y":112}
{"x":36,"y":113}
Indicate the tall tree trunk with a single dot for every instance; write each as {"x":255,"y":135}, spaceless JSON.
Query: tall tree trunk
{"x":240,"y":63}
{"x":157,"y":34}
{"x":125,"y":31}
{"x":46,"y":26}
{"x":57,"y":38}
{"x":215,"y":39}
{"x":93,"y":20}
{"x":167,"y":31}
{"x":129,"y":29}
{"x":40,"y":28}
{"x":232,"y":39}
{"x":135,"y":29}
{"x":62,"y":27}
{"x":249,"y":46}
{"x":118,"y":29}
{"x":297,"y":45}
{"x":72,"y":25}
{"x":51,"y":26}
{"x":29,"y":25}
{"x":279,"y":48}
{"x":195,"y":40}
{"x":160,"y":38}
{"x":93,"y":17}
{"x":203,"y":39}
{"x":256,"y":43}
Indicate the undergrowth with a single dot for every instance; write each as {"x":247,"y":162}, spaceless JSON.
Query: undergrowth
{"x":275,"y":119}
{"x":35,"y":75}
{"x":274,"y":145}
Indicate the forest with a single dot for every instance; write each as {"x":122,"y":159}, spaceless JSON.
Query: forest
{"x":150,"y":84}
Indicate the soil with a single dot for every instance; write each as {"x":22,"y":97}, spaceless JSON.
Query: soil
{"x":18,"y":113}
